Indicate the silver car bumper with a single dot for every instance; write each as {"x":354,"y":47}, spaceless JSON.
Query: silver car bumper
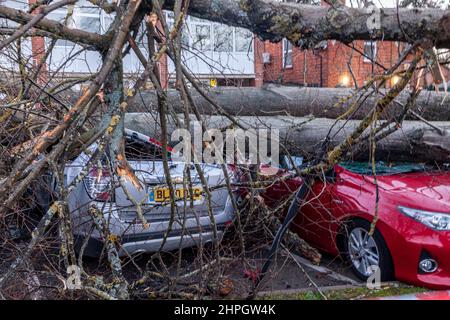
{"x":134,"y":238}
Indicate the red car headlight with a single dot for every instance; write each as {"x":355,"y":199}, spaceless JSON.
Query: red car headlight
{"x":98,"y":184}
{"x":435,"y":220}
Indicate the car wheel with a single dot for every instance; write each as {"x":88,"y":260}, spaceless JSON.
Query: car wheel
{"x":365,"y":252}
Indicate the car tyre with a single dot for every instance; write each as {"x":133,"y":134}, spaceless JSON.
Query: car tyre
{"x":375,"y":249}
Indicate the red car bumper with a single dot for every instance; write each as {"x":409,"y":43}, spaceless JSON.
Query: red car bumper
{"x":408,"y":242}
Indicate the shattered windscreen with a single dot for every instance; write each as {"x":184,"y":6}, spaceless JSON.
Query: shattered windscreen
{"x":382,"y":168}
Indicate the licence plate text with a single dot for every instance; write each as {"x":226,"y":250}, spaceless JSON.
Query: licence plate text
{"x":163,"y":194}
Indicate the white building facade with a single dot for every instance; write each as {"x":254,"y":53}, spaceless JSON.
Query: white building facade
{"x":211,"y":51}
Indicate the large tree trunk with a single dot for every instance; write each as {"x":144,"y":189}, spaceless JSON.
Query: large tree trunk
{"x":415,"y":141}
{"x":306,"y":25}
{"x":296,"y":101}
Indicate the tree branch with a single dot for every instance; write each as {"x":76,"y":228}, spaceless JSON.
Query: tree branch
{"x":54,"y":27}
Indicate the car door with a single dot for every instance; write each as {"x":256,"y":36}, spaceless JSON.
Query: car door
{"x":353,"y":194}
{"x":312,"y":221}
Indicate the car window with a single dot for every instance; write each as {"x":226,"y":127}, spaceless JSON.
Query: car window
{"x":383,"y":168}
{"x":287,"y":161}
{"x":137,"y":149}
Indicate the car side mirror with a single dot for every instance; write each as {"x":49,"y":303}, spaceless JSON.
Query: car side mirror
{"x":291,"y":162}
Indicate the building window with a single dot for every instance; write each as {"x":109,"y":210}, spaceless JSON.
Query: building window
{"x":84,"y":17}
{"x":14,"y":4}
{"x":86,"y":22}
{"x":287,"y":54}
{"x":243,"y":40}
{"x":202,"y":37}
{"x":223,"y":38}
{"x":170,"y":24}
{"x":370,"y":51}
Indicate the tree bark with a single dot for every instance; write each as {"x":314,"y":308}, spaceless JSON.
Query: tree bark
{"x":304,"y":25}
{"x":56,"y":28}
{"x":307,"y":25}
{"x":415,"y":141}
{"x":272,"y":100}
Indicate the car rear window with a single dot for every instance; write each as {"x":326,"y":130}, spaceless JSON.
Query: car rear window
{"x":383,"y":168}
{"x":137,"y":149}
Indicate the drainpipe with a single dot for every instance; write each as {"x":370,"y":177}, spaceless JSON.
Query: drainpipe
{"x":305,"y":69}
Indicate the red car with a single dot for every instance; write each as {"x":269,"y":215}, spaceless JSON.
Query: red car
{"x":411,"y":241}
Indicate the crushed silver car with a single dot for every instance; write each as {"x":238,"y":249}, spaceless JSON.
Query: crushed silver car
{"x":192,"y":222}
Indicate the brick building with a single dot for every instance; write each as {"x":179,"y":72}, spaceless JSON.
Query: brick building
{"x":331,"y":64}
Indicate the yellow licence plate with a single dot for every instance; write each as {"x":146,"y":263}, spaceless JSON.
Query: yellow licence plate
{"x":163,"y":194}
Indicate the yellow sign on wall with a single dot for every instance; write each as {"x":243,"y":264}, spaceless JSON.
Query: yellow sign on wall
{"x":213,"y":83}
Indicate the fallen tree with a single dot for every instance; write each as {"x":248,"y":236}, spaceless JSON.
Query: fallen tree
{"x":306,"y":25}
{"x":49,"y":126}
{"x":272,"y":100}
{"x":412,"y":141}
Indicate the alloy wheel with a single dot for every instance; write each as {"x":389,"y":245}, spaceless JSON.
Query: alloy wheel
{"x":363,"y":251}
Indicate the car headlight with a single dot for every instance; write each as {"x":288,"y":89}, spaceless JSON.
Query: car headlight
{"x":435,"y":220}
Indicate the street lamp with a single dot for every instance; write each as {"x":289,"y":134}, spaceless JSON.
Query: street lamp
{"x":344,"y":80}
{"x":395,"y":80}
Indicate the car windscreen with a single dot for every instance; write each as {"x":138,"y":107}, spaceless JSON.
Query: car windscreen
{"x":383,"y":168}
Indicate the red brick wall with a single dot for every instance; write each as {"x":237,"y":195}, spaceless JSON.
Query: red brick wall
{"x":347,"y":61}
{"x":38,"y":50}
{"x":163,"y":71}
{"x":259,"y":66}
{"x":274,"y":72}
{"x":337,"y":61}
{"x":327,"y":67}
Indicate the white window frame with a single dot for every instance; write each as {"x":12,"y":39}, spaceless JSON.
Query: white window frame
{"x":214,"y":32}
{"x":373,"y":44}
{"x":68,"y":48}
{"x":14,"y":4}
{"x":191,"y":23}
{"x":101,"y":15}
{"x":193,"y":27}
{"x":250,"y":46}
{"x":287,"y":45}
